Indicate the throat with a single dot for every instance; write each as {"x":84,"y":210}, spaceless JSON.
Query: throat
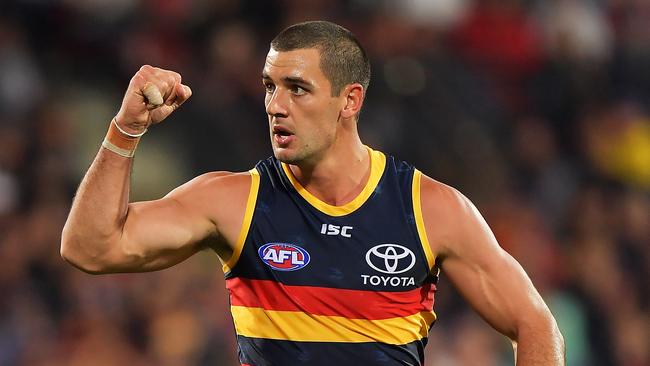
{"x":336,"y":184}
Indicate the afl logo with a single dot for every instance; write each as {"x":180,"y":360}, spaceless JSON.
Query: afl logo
{"x":283,"y":256}
{"x":390,"y":258}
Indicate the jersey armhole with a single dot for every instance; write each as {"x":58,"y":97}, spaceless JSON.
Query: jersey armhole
{"x":419,"y":221}
{"x":246,"y":222}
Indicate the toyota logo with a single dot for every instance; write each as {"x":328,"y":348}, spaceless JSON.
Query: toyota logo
{"x":390,"y":258}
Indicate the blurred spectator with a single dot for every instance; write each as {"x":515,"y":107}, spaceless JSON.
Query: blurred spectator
{"x":21,"y":85}
{"x":575,"y":30}
{"x":617,"y":143}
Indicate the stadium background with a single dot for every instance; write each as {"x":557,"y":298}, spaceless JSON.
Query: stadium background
{"x":537,"y":110}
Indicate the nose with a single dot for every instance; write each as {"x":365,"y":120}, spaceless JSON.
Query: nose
{"x":276,"y":103}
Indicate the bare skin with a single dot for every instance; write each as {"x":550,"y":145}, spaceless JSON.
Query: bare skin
{"x":316,"y":134}
{"x":491,"y":280}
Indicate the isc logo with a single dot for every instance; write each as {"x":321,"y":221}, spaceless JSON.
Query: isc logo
{"x":329,"y":229}
{"x":283,"y":256}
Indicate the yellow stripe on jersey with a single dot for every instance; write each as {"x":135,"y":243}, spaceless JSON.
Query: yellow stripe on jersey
{"x":419,"y":221}
{"x":377,"y":166}
{"x":246,"y":223}
{"x":303,"y":327}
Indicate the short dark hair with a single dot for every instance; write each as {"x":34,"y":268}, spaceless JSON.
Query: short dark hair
{"x":342,"y":59}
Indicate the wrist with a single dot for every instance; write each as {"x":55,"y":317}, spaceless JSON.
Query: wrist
{"x":129,"y":130}
{"x":120,"y":141}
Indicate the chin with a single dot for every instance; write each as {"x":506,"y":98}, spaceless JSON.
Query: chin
{"x":283,"y":155}
{"x":287,"y":156}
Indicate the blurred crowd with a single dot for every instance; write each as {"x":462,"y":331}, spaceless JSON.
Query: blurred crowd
{"x":538,"y":110}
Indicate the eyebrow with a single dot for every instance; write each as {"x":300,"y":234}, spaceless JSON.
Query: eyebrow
{"x":289,"y":79}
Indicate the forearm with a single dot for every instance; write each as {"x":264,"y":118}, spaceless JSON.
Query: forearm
{"x":98,"y":212}
{"x":540,"y":344}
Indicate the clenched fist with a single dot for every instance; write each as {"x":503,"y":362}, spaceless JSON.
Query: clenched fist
{"x":152,"y":95}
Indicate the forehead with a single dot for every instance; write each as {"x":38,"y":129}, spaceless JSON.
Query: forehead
{"x":303,"y":63}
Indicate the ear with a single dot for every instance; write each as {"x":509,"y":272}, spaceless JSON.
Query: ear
{"x":354,"y":95}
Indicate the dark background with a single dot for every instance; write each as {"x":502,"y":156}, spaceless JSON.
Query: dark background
{"x":536,"y":110}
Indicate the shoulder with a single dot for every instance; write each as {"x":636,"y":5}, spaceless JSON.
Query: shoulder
{"x":449,"y":216}
{"x":439,"y":198}
{"x":220,"y":185}
{"x":214,"y":181}
{"x":221,"y":197}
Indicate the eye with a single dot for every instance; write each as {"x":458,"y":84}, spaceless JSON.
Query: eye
{"x":269,"y":87}
{"x":298,"y":90}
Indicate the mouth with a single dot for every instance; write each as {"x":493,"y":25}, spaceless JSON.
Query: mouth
{"x":281,"y":131}
{"x":282,"y":135}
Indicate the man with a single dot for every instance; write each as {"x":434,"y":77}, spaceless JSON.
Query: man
{"x":331,"y":249}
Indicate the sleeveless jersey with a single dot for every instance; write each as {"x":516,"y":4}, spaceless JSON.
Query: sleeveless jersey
{"x":316,"y":284}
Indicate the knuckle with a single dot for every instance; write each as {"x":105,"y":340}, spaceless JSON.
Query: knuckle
{"x":170,"y":78}
{"x":137,"y":79}
{"x":165,"y":85}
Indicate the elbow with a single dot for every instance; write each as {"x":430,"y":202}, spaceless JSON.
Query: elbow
{"x":557,"y":335}
{"x":553,"y":328}
{"x":81,"y":261}
{"x":542,"y":324}
{"x":76,"y":251}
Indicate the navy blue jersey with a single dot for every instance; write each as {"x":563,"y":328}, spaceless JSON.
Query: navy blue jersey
{"x":316,"y":284}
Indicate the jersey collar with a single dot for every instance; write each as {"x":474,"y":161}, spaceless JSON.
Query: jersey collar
{"x":377,"y":166}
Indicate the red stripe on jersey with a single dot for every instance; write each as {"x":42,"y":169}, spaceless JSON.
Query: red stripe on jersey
{"x":351,"y":304}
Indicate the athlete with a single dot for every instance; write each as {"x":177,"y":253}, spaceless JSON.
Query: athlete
{"x":331,"y":250}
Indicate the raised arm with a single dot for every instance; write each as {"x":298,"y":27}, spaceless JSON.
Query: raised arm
{"x":105,"y":233}
{"x":491,"y":280}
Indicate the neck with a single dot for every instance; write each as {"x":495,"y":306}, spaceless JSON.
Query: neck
{"x":339,"y":176}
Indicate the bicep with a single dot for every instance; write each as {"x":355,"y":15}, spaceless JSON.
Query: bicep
{"x":493,"y":283}
{"x":158,"y":234}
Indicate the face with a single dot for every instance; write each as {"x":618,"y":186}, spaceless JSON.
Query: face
{"x":303,"y":115}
